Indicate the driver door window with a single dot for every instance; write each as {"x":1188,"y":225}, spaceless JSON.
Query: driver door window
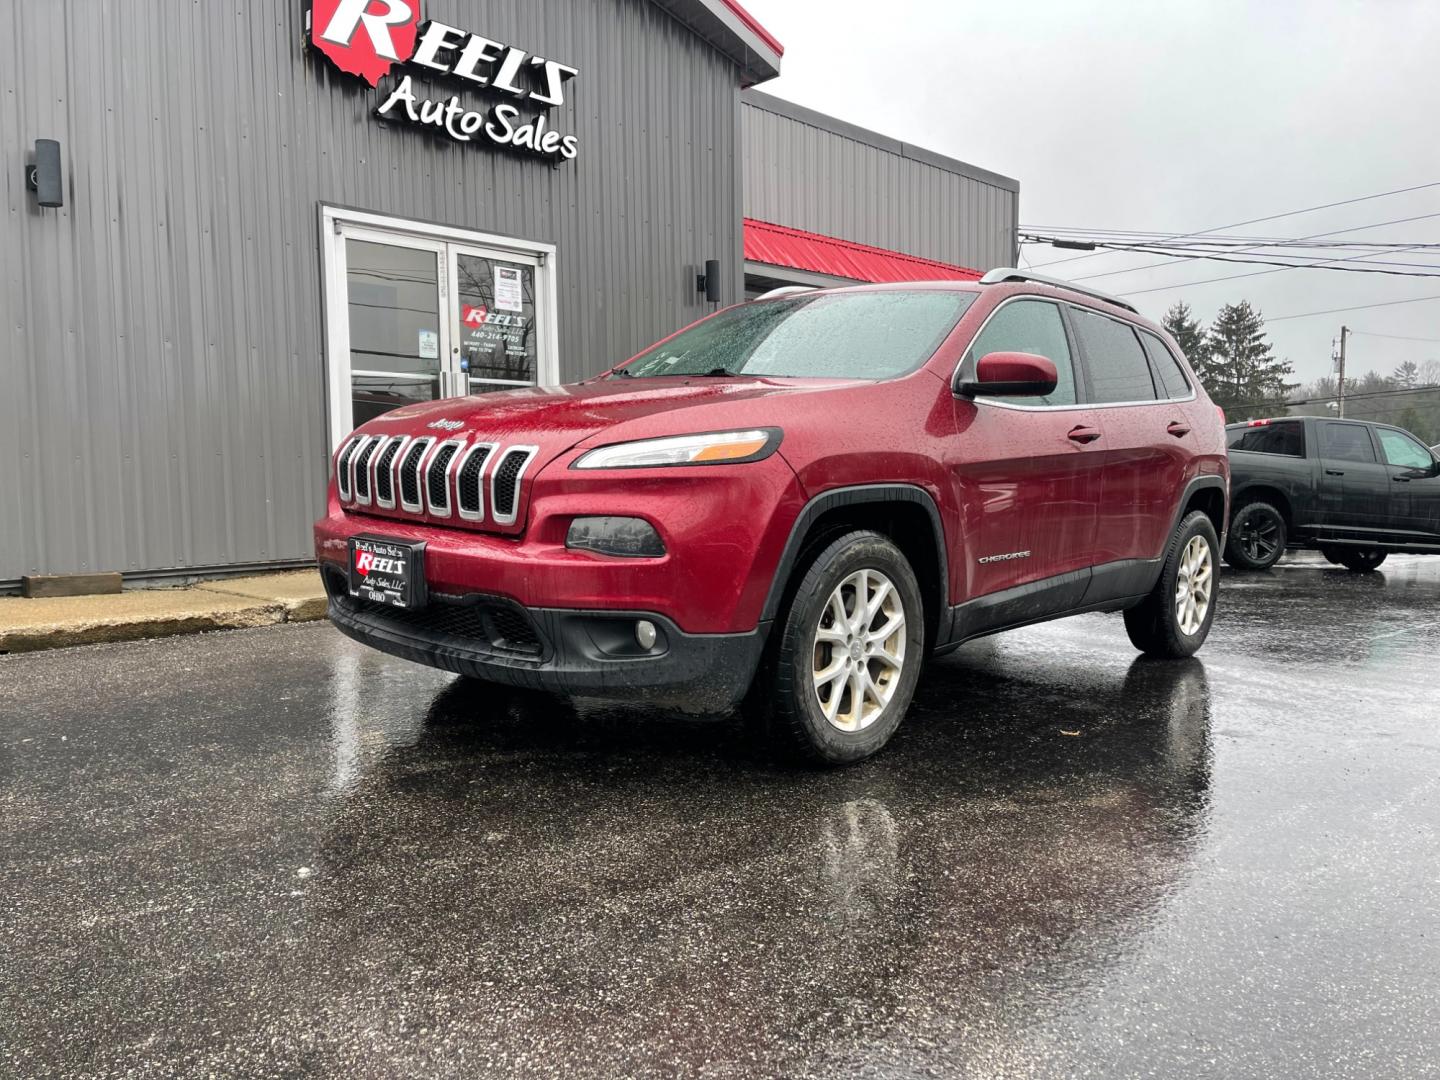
{"x":1029,"y":326}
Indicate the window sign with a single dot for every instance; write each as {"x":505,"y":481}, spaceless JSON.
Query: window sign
{"x":362,"y":40}
{"x":496,"y":330}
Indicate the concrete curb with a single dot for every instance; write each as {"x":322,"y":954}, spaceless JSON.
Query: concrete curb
{"x":28,"y":625}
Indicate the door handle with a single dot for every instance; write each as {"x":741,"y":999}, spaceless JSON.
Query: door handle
{"x":1401,"y":479}
{"x":1178,"y":429}
{"x":1334,"y":472}
{"x":1083,"y":434}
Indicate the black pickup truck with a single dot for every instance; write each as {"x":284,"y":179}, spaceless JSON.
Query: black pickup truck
{"x":1353,"y":490}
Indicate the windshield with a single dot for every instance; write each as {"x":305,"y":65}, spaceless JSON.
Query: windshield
{"x":867,"y":335}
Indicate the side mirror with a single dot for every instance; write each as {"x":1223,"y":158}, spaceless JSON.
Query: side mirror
{"x":1010,"y":374}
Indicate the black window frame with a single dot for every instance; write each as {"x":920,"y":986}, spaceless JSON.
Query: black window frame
{"x":1090,"y":396}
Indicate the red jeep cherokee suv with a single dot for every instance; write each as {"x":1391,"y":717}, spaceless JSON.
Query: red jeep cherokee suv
{"x":808,"y":494}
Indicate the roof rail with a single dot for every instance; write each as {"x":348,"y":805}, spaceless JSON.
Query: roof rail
{"x":1010,"y":273}
{"x":785,"y":290}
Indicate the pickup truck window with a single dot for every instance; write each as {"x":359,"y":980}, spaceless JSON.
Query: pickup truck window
{"x":1118,"y":369}
{"x":1029,"y":326}
{"x":1345,"y":442}
{"x":1287,"y":439}
{"x":1400,"y":449}
{"x":1171,"y":374}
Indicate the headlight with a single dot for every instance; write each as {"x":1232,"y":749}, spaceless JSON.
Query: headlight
{"x":713,"y":448}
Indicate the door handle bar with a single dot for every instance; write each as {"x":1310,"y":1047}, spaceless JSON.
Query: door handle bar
{"x":1083,"y":434}
{"x":1178,"y":429}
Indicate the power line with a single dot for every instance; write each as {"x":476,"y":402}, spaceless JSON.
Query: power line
{"x":1356,"y":307}
{"x":1323,"y":398}
{"x":1325,"y":262}
{"x":1312,"y":236}
{"x":1271,"y":217}
{"x":1396,"y":337}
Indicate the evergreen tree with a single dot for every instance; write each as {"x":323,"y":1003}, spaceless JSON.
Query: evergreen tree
{"x":1242,"y":374}
{"x":1407,"y":375}
{"x":1188,"y":334}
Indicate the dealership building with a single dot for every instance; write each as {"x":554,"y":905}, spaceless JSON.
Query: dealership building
{"x":234,"y":231}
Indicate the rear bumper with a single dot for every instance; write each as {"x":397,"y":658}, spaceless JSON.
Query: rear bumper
{"x":566,"y":651}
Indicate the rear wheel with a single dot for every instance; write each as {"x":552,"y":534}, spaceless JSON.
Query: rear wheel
{"x":1257,"y":537}
{"x":850,"y":650}
{"x":1332,"y":554}
{"x":1175,"y":618}
{"x":1361,"y":560}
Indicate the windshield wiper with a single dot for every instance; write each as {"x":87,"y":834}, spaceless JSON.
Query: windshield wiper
{"x":619,"y":373}
{"x":718,"y":372}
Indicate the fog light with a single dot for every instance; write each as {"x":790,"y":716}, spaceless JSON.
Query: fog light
{"x":625,"y":536}
{"x":645,"y":634}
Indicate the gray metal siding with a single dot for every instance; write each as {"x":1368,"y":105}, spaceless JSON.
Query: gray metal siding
{"x":839,"y":181}
{"x":162,"y":385}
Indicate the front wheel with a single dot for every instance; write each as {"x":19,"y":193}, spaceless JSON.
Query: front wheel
{"x":1361,"y":560}
{"x":1174,"y":620}
{"x":850,"y":651}
{"x":1257,"y":537}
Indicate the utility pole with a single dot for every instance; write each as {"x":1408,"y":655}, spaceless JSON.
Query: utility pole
{"x":1340,"y":382}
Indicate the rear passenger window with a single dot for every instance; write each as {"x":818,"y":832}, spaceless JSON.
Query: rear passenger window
{"x":1118,"y":368}
{"x":1346,"y":442}
{"x":1287,"y":439}
{"x":1172,"y":376}
{"x":1029,"y":326}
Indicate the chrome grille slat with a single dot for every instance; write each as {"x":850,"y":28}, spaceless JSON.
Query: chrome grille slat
{"x":437,"y":477}
{"x":342,"y":467}
{"x":410,"y":486}
{"x":385,"y":472}
{"x":505,"y":483}
{"x":361,"y":460}
{"x":470,"y":481}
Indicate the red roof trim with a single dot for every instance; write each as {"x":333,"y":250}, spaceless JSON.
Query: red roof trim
{"x":755,"y":27}
{"x":780,"y":245}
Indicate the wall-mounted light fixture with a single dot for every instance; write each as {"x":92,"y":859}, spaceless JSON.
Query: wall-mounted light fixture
{"x":44,"y":177}
{"x":709,"y":282}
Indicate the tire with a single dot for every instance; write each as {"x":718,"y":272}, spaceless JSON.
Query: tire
{"x":1361,"y":560}
{"x":821,"y":720}
{"x":1332,"y":554}
{"x":1164,"y":623}
{"x":1257,"y":537}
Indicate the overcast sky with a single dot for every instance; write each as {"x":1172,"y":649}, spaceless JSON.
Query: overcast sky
{"x":1163,"y":115}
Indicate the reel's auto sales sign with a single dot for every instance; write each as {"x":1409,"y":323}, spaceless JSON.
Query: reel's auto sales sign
{"x":370,"y":38}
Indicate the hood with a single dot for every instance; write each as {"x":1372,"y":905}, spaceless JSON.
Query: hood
{"x":557,"y":418}
{"x":527,"y":429}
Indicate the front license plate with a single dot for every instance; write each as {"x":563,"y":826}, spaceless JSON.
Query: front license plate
{"x":387,"y":571}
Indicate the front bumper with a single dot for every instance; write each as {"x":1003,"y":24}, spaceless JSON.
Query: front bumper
{"x":566,"y":651}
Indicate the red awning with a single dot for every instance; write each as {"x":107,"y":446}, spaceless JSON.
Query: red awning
{"x":779,"y":245}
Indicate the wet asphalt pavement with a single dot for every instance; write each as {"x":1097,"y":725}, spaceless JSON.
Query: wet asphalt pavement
{"x":274,"y":853}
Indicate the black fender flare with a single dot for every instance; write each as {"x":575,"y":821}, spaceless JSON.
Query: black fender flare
{"x":851,"y":496}
{"x":1200,"y":483}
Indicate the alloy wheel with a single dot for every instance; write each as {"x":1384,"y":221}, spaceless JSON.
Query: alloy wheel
{"x":1259,"y":536}
{"x":1194,"y":585}
{"x":859,"y":650}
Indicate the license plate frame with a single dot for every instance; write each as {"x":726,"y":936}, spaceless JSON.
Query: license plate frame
{"x":394,"y":573}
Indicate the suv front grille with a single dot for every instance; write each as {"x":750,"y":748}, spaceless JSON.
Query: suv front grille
{"x":438,"y":478}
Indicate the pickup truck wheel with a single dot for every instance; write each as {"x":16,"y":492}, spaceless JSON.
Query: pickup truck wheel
{"x":1361,"y":560}
{"x":1257,"y":537}
{"x":850,"y":651}
{"x":1332,"y":554}
{"x":1174,"y":620}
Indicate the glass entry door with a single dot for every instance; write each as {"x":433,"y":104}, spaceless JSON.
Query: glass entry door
{"x":394,"y":302}
{"x":495,"y":333}
{"x":416,"y":318}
